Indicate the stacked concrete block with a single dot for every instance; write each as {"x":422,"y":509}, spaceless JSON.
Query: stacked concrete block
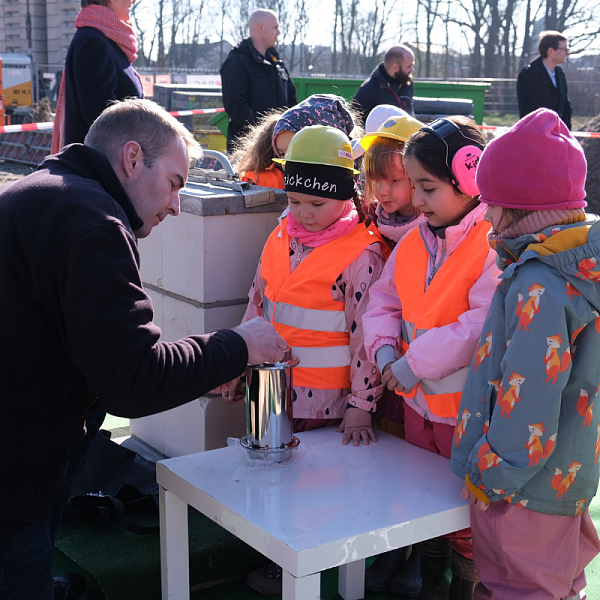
{"x":198,"y":268}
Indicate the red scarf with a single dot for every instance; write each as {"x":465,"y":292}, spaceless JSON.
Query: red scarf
{"x":313,"y":239}
{"x":105,"y":20}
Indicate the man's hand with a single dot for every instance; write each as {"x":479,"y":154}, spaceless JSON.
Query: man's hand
{"x":467,"y":494}
{"x":232,"y":391}
{"x":264,"y":344}
{"x":389,"y":379}
{"x":357,"y":425}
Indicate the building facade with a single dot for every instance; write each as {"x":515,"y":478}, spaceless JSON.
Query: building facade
{"x":52,"y":27}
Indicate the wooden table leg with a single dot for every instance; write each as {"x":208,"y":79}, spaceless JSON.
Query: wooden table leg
{"x":351,"y":580}
{"x":301,"y":588}
{"x":174,"y":547}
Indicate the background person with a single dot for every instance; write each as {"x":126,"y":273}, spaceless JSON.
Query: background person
{"x":78,"y":323}
{"x":542,"y":84}
{"x":254,"y":78}
{"x":98,"y":68}
{"x":390,"y":83}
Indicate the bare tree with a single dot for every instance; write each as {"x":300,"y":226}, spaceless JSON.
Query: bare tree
{"x":432,"y":14}
{"x":371,"y":30}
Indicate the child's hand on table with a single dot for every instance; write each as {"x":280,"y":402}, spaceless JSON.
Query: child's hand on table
{"x":357,"y":425}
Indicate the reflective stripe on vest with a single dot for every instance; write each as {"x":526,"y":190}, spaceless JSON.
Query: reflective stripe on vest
{"x":304,"y":318}
{"x":302,"y":309}
{"x":442,"y":303}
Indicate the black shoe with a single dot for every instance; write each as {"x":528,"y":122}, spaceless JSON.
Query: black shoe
{"x":462,"y":589}
{"x":386,"y":565}
{"x":436,"y":558}
{"x":266,"y":580}
{"x":464,"y":577}
{"x":407,"y":582}
{"x":70,"y":586}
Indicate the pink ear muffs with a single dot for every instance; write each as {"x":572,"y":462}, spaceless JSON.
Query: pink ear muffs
{"x":464,"y":161}
{"x":464,"y":168}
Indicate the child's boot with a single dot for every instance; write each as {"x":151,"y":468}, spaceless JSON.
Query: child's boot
{"x":435,"y":557}
{"x":464,"y":577}
{"x":386,"y":565}
{"x":407,"y":582}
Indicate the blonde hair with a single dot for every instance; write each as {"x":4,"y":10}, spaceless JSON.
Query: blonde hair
{"x":379,"y":163}
{"x":254,"y":150}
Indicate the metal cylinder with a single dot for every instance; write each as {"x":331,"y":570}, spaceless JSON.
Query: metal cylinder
{"x":269,"y":389}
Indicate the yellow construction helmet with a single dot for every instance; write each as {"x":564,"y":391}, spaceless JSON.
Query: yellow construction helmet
{"x":320,"y":145}
{"x":396,"y":128}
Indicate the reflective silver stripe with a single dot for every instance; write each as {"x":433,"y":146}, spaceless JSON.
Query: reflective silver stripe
{"x":407,"y":329}
{"x":267,"y":309}
{"x":309,"y":318}
{"x":323,"y":358}
{"x":455,"y":382}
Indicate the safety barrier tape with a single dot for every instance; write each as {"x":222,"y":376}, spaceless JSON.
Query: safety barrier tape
{"x":207,"y":111}
{"x":49,"y":125}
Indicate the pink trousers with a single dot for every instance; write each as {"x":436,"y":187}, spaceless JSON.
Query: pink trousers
{"x":436,"y":437}
{"x":525,"y":555}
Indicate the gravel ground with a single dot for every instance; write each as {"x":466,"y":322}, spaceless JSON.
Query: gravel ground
{"x":13,"y":171}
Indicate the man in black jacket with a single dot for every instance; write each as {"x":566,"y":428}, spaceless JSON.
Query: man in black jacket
{"x":254,"y":78}
{"x":77,"y":323}
{"x":390,"y":83}
{"x":543,"y":83}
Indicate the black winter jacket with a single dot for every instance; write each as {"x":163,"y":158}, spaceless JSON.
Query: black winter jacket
{"x":536,"y":90}
{"x":78,"y":326}
{"x":96,"y":72}
{"x":380,"y":88}
{"x":252,"y":84}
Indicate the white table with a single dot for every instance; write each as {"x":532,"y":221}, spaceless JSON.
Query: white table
{"x":336,"y":507}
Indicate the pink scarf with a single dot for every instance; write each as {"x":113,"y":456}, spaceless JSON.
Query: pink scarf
{"x":345,"y":224}
{"x":105,"y":20}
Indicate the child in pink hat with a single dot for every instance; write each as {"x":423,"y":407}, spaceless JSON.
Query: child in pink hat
{"x":527,"y":441}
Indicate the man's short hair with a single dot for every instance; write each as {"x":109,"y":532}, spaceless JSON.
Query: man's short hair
{"x":141,"y":121}
{"x":396,"y":53}
{"x":550,"y":39}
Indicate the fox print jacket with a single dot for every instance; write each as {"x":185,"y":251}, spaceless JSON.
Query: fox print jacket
{"x":528,"y":427}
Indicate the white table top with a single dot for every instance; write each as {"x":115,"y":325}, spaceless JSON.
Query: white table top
{"x":337,"y":505}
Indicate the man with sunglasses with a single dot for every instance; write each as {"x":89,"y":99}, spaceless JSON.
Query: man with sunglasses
{"x":543,"y":83}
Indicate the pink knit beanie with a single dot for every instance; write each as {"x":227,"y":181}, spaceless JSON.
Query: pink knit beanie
{"x":535,"y":165}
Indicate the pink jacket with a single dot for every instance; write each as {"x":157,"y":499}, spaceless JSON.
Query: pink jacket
{"x":351,"y":288}
{"x":442,"y":350}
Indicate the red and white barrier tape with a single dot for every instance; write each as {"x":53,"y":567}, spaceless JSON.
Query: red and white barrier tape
{"x":581,"y":134}
{"x":49,"y":125}
{"x":208,"y":111}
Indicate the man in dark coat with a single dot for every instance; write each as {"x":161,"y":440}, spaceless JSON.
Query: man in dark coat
{"x":77,"y":323}
{"x":390,"y":83}
{"x":543,"y":83}
{"x":254,"y":78}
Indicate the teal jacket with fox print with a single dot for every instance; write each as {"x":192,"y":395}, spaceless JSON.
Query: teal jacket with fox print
{"x":528,"y":429}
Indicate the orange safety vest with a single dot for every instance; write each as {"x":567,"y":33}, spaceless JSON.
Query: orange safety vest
{"x":271,"y":177}
{"x":441,"y":303}
{"x":301,"y":307}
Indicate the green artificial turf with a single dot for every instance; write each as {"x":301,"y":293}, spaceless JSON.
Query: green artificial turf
{"x":119,"y":565}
